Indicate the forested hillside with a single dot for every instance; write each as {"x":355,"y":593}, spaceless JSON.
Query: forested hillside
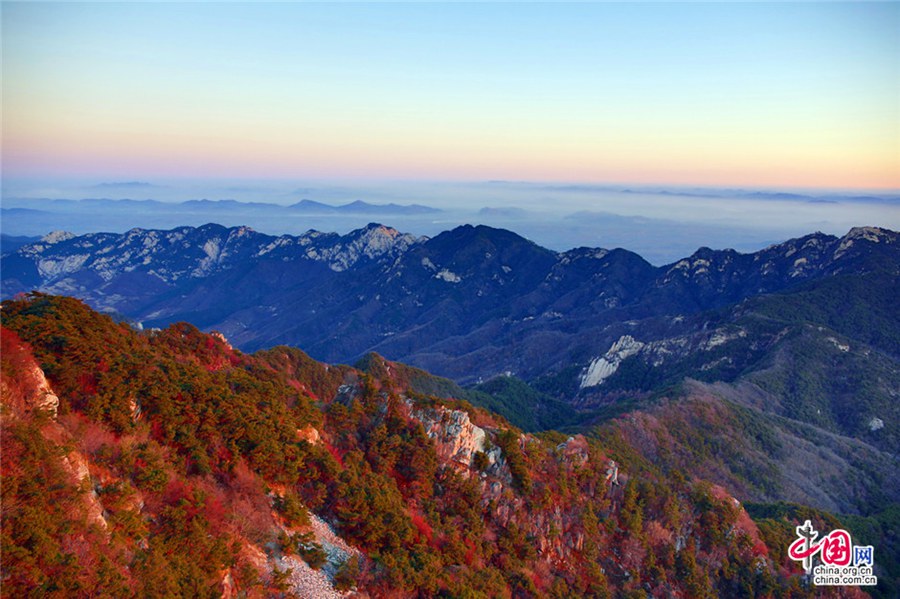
{"x":168,"y":464}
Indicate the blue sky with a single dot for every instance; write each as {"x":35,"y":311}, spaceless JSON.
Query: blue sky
{"x":777,"y":95}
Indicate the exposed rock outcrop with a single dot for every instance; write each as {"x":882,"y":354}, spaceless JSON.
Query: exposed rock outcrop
{"x":309,"y":434}
{"x":306,"y":582}
{"x":29,"y":392}
{"x":456,"y":437}
{"x":76,"y":463}
{"x":604,"y":366}
{"x":32,"y":392}
{"x":302,"y":580}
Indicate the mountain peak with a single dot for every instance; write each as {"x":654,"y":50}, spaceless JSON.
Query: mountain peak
{"x":343,"y":434}
{"x":866,"y":242}
{"x":494,"y":235}
{"x":379,"y":229}
{"x":242,"y":231}
{"x":873,"y":234}
{"x":311,"y":205}
{"x":372,"y":241}
{"x":357,"y":205}
{"x":57,"y":237}
{"x":211,"y":228}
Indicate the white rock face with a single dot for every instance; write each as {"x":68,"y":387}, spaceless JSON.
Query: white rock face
{"x":212,"y":248}
{"x":448,"y":276}
{"x":214,"y":254}
{"x":309,"y":434}
{"x":721,"y":337}
{"x":876,"y":424}
{"x":221,"y":337}
{"x":283,"y":241}
{"x":337,"y":549}
{"x":871,"y":234}
{"x":801,"y":265}
{"x":603,"y":367}
{"x":305,"y":582}
{"x":110,"y":255}
{"x":57,"y":237}
{"x":49,"y":268}
{"x":77,"y":465}
{"x":841,"y":346}
{"x":308,"y":583}
{"x":372,"y":243}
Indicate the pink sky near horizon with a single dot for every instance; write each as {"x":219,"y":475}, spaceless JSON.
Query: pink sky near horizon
{"x":802,"y":96}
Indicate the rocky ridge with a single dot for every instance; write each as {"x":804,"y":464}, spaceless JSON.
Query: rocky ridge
{"x":192,"y":253}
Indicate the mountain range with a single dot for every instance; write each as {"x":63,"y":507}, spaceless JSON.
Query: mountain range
{"x":469,"y":304}
{"x":805,"y":329}
{"x":774,"y":374}
{"x":89,"y":205}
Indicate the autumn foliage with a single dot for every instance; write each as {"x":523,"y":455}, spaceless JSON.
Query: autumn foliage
{"x":192,"y":459}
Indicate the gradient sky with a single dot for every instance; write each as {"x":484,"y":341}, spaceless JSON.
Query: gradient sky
{"x":776,"y":95}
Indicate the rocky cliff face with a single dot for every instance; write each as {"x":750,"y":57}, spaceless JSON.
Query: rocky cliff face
{"x":25,"y":393}
{"x":603,"y":367}
{"x":28,"y":391}
{"x":455,"y":437}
